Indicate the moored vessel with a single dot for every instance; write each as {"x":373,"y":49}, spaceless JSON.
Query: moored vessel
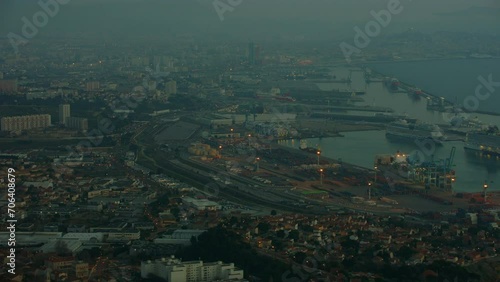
{"x":303,"y":146}
{"x":392,"y":84}
{"x":485,"y":141}
{"x":404,"y":130}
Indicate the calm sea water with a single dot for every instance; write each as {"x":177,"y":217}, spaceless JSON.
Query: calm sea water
{"x":447,"y":78}
{"x":360,"y":148}
{"x":452,"y":79}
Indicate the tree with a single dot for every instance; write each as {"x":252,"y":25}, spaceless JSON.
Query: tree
{"x":299,"y":257}
{"x":405,"y":252}
{"x":233,"y":220}
{"x":277,"y":244}
{"x":175,"y":211}
{"x":220,"y":244}
{"x":307,"y":228}
{"x":155,"y":278}
{"x":263,"y":227}
{"x":280,"y":234}
{"x":95,"y":252}
{"x":350,"y":245}
{"x":294,"y":234}
{"x":273,"y":212}
{"x":193,"y":240}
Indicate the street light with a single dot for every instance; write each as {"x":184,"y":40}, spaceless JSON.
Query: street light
{"x":369,"y":190}
{"x":485,"y":187}
{"x":319,"y":154}
{"x":220,"y":151}
{"x":375,"y":179}
{"x":321,"y":176}
{"x":257,"y":160}
{"x":453,"y":179}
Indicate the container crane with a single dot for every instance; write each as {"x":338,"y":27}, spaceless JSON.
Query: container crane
{"x":450,"y":159}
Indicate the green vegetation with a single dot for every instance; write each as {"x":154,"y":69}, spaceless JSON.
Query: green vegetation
{"x":219,"y":244}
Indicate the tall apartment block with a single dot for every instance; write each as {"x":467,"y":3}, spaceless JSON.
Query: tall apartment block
{"x":80,"y":124}
{"x":64,"y":113}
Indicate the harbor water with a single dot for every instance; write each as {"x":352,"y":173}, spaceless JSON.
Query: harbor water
{"x":360,"y":148}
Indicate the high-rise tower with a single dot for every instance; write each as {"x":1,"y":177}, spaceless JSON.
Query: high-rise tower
{"x":64,"y":112}
{"x":251,"y":53}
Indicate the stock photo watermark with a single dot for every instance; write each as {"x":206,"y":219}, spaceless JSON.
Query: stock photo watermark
{"x":471,"y":102}
{"x":483,"y":91}
{"x":223,"y":6}
{"x":105,"y":126}
{"x":48,"y":9}
{"x":373,"y":28}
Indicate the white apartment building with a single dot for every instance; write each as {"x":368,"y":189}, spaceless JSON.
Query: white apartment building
{"x":64,"y":113}
{"x":18,"y":123}
{"x":174,"y":270}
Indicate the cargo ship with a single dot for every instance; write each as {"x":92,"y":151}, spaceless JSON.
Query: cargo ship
{"x":485,"y":141}
{"x":392,"y":84}
{"x":415,"y":93}
{"x":284,"y":98}
{"x":403,"y":130}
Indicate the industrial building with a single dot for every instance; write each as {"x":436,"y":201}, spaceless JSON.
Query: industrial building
{"x":237,"y":119}
{"x":180,"y":237}
{"x":201,"y":204}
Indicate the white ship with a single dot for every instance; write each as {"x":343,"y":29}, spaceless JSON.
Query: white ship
{"x":485,"y":141}
{"x":303,"y":146}
{"x":414,"y":131}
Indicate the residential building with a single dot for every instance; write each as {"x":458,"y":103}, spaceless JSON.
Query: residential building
{"x":64,"y":113}
{"x":8,"y":85}
{"x":18,"y":123}
{"x":59,"y":263}
{"x":171,"y":87}
{"x":92,"y":86}
{"x":80,"y":124}
{"x":173,"y":269}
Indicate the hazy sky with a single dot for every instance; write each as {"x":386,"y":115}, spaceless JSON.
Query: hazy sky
{"x":251,"y":18}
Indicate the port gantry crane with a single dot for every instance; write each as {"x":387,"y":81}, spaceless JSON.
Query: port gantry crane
{"x":448,"y":173}
{"x":440,"y":173}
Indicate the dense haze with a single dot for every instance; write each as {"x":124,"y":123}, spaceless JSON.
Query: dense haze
{"x":252,"y":19}
{"x":250,"y":140}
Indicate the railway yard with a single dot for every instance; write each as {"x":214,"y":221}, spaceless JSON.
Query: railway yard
{"x":264,"y":175}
